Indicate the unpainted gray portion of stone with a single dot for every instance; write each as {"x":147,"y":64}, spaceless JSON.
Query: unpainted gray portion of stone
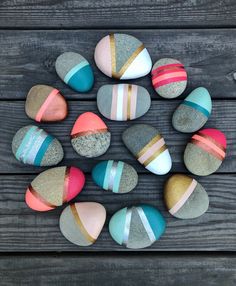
{"x":138,"y":237}
{"x":129,"y":179}
{"x":137,"y":136}
{"x":125,"y":46}
{"x":92,"y":145}
{"x":52,"y":156}
{"x":200,"y":162}
{"x":104,"y":101}
{"x":196,"y":205}
{"x":66,"y":61}
{"x":173,"y":89}
{"x":187,"y":119}
{"x":70,"y":228}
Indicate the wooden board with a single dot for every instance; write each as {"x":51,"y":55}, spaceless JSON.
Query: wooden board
{"x":132,"y":269}
{"x":13,"y":115}
{"x":27,"y":58}
{"x":22,"y":229}
{"x":120,"y":14}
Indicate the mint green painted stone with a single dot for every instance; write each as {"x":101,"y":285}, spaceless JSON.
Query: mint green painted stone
{"x":193,"y":113}
{"x":115,"y":176}
{"x":137,"y":227}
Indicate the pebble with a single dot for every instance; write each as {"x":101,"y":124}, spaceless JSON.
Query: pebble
{"x":90,"y":136}
{"x":192,"y":114}
{"x":184,"y":197}
{"x":54,"y":187}
{"x":205,"y":152}
{"x":45,"y":103}
{"x":81,"y":223}
{"x":137,"y":227}
{"x":148,"y":146}
{"x":122,"y":56}
{"x":115,"y":176}
{"x":169,"y":78}
{"x":123,"y":102}
{"x":75,"y":70}
{"x":32,"y":145}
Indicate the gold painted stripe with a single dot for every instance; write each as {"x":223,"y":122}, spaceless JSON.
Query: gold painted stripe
{"x":113,"y":55}
{"x":89,"y":132}
{"x":80,"y":224}
{"x":39,"y":197}
{"x":66,"y":185}
{"x":129,"y":61}
{"x":146,"y":147}
{"x":156,"y":154}
{"x":129,"y":101}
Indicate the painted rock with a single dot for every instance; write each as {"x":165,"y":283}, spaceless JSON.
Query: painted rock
{"x":123,"y":102}
{"x":81,"y":223}
{"x":148,"y":146}
{"x":205,"y":152}
{"x":137,"y":227}
{"x":122,"y":56}
{"x":90,"y":136}
{"x":115,"y":176}
{"x":54,"y":187}
{"x":32,"y":145}
{"x":193,"y":112}
{"x":184,"y":197}
{"x":75,"y":70}
{"x":45,"y":103}
{"x":169,"y":78}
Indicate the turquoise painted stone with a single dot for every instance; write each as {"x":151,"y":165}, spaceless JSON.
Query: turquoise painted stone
{"x":32,"y":145}
{"x":137,"y":227}
{"x":75,"y":71}
{"x":192,"y":114}
{"x":115,"y":176}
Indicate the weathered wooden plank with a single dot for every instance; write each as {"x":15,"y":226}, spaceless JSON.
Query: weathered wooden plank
{"x":22,"y":229}
{"x":117,"y":269}
{"x":27,"y":58}
{"x":13,"y":117}
{"x":125,"y":13}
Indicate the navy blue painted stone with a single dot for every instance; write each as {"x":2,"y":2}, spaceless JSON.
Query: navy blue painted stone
{"x":137,"y":227}
{"x":115,"y":176}
{"x":75,"y":71}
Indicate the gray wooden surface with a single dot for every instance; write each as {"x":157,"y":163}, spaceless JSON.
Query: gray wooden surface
{"x":202,"y":35}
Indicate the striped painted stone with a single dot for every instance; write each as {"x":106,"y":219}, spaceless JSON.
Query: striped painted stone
{"x":45,"y":103}
{"x":75,"y":70}
{"x":54,"y":187}
{"x":184,"y":197}
{"x":192,"y":114}
{"x":169,"y":78}
{"x":137,"y":227}
{"x":123,"y":102}
{"x":81,"y":223}
{"x":205,"y":152}
{"x":32,"y":145}
{"x":148,"y":146}
{"x":115,"y":176}
{"x":122,"y":56}
{"x":90,"y":136}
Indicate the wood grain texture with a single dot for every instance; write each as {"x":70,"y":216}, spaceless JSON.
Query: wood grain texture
{"x":27,"y":58}
{"x":118,"y":269}
{"x":120,"y":14}
{"x":13,"y":117}
{"x":25,"y":230}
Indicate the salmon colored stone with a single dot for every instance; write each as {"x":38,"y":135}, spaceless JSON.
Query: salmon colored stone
{"x":45,"y":103}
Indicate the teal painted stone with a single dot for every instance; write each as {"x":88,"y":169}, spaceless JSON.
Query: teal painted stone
{"x":115,"y":176}
{"x":192,"y":114}
{"x":75,"y":71}
{"x":32,"y":145}
{"x":137,"y":227}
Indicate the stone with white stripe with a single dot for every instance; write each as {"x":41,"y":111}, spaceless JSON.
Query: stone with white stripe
{"x":123,"y":102}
